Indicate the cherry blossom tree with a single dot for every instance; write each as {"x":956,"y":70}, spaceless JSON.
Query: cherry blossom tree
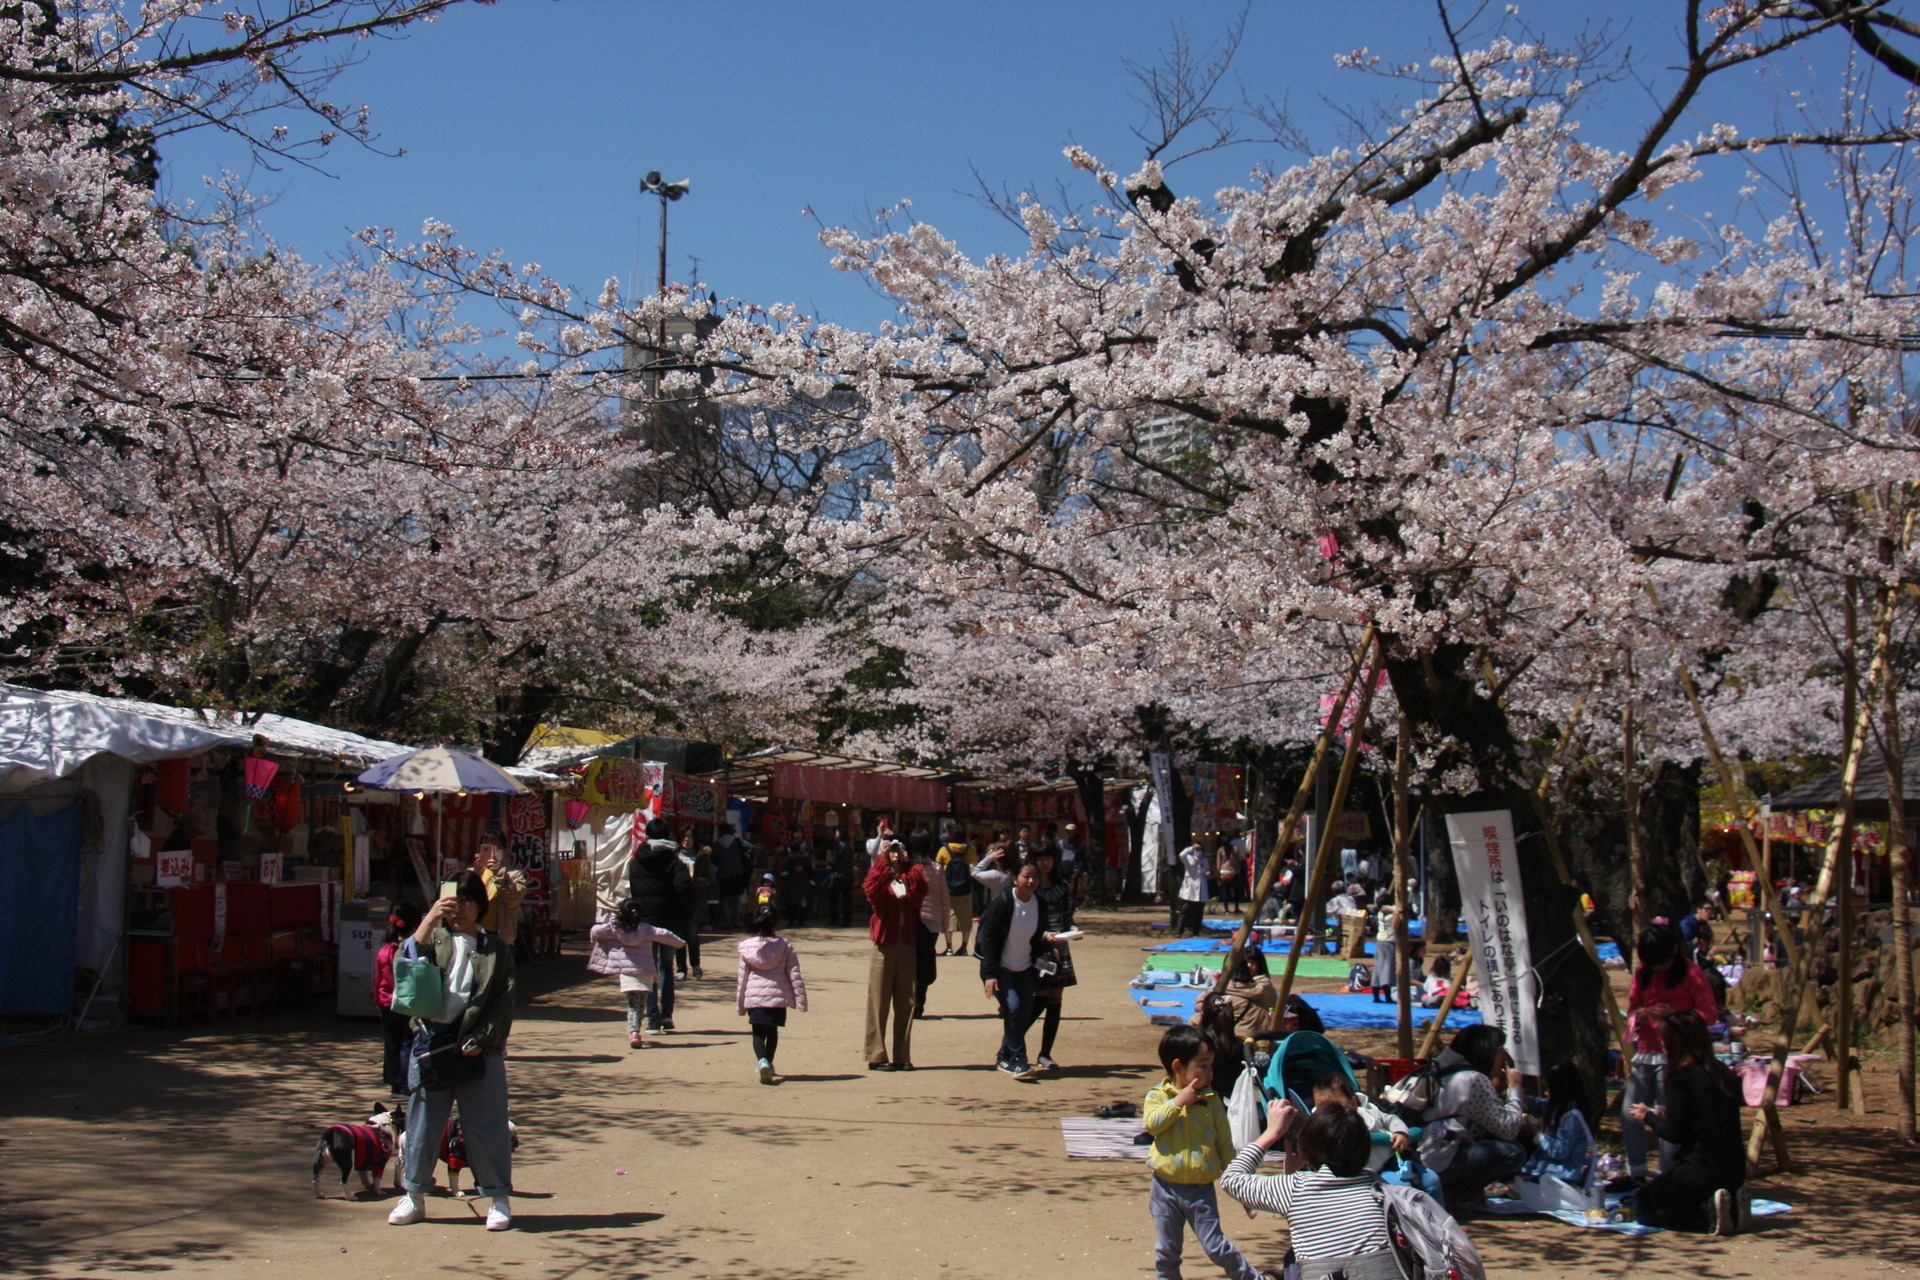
{"x":1458,"y":379}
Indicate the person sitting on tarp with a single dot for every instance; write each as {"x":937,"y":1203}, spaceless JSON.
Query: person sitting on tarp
{"x":1474,"y":1130}
{"x":1249,"y":994}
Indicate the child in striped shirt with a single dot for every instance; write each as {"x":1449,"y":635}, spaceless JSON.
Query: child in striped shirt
{"x":1336,"y":1218}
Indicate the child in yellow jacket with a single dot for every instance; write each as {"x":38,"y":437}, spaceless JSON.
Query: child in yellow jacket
{"x":1192,"y":1144}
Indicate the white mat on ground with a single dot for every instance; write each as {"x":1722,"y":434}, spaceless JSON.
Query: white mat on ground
{"x":1091,"y":1138}
{"x":1516,"y":1208}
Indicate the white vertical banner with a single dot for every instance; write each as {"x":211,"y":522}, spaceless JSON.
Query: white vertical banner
{"x":1488,"y":868}
{"x":1162,"y":769}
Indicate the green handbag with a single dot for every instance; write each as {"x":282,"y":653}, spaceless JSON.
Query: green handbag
{"x":418,"y":990}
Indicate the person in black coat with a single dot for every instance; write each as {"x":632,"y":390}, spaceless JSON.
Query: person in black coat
{"x":659,"y":882}
{"x":1704,"y":1186}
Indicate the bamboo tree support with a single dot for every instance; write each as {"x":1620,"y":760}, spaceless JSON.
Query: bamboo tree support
{"x":1630,"y":785}
{"x":1322,"y":865}
{"x":1899,"y":851}
{"x":1800,"y":976}
{"x":1302,"y":797}
{"x":1402,"y":872}
{"x":1432,"y":1041}
{"x":1768,"y":1124}
{"x":1842,"y":861}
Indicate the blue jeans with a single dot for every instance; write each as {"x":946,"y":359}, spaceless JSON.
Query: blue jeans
{"x":1646,"y":1082}
{"x":483,"y":1125}
{"x":1476,"y":1164}
{"x":1018,"y":1009}
{"x":660,"y":994}
{"x":1177,"y":1205}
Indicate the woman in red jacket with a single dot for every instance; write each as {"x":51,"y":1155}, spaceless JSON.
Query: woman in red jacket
{"x":895,"y":888}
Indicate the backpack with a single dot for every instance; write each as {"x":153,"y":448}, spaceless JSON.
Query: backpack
{"x":1412,"y":1095}
{"x":1429,"y":1244}
{"x":959,"y":872}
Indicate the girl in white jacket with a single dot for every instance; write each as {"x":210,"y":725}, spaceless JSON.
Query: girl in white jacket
{"x":769,"y":984}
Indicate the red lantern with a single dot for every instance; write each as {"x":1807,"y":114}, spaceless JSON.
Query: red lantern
{"x":173,"y":782}
{"x":286,"y":802}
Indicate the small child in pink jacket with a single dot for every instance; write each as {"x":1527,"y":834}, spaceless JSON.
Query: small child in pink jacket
{"x":623,"y":946}
{"x":768,"y":986}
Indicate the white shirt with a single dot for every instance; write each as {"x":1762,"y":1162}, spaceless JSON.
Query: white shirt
{"x":1017,"y":954}
{"x":1193,"y":887}
{"x":459,"y":978}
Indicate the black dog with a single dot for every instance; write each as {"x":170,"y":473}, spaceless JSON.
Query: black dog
{"x":364,"y":1149}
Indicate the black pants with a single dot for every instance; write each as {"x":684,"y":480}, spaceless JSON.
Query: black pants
{"x":1191,"y":914}
{"x":925,"y":966}
{"x":766,"y":1042}
{"x":1682,"y":1197}
{"x":840,"y":900}
{"x":396,"y":1033}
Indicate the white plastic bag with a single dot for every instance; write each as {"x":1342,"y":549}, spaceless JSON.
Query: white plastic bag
{"x":1246,"y":1118}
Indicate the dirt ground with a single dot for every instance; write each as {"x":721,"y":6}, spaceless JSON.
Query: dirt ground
{"x":187,"y":1153}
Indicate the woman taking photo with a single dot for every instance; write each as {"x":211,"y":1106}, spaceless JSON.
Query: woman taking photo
{"x":459,"y":1057}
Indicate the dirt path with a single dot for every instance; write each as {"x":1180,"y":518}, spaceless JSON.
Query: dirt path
{"x":187,"y":1154}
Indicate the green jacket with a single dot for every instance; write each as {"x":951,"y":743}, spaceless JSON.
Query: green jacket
{"x":488,"y":1017}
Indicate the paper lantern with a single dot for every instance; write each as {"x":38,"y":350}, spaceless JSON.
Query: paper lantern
{"x":172,"y":784}
{"x":259,"y":775}
{"x":576,"y":814}
{"x":286,"y":803}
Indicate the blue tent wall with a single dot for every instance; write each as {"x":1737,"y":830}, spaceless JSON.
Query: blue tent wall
{"x":39,"y":908}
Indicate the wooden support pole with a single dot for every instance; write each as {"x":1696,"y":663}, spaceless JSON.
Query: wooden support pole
{"x":1322,"y":865}
{"x":1432,"y":1041}
{"x":1402,"y":872}
{"x":1302,"y":797}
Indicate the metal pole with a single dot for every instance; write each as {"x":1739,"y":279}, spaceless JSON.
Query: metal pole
{"x":653,"y":442}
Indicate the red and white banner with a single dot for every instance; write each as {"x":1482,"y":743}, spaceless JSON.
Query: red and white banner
{"x":1488,"y":868}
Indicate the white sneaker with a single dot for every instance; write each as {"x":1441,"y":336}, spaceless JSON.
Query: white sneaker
{"x":410,"y":1210}
{"x":766,"y":1072}
{"x":500,"y":1216}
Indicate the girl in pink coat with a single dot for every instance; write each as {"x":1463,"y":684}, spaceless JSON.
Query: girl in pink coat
{"x":769,"y":984}
{"x":623,"y":948}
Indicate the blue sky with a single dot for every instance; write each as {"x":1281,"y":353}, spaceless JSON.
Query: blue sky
{"x":527,"y":124}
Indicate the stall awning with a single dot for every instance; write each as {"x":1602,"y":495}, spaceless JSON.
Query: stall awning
{"x":800,"y":773}
{"x":1869,"y":792}
{"x":52,"y":733}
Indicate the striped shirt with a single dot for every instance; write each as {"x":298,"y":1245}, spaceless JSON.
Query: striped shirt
{"x":1327,"y":1216}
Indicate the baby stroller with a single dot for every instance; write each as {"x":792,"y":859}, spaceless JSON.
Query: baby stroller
{"x":1305,"y":1057}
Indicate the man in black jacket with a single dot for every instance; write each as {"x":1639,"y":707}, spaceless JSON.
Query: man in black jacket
{"x":658,"y":882}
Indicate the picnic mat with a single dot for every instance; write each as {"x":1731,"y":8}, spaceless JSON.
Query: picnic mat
{"x":1167,"y":1006}
{"x":1516,"y":1208}
{"x":1182,"y":961}
{"x":1091,"y":1138}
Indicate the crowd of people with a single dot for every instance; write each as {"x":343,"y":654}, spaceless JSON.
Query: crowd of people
{"x":445,"y":984}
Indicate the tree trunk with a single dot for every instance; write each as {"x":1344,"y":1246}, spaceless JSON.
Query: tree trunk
{"x":1442,"y":698}
{"x":1088,"y":782}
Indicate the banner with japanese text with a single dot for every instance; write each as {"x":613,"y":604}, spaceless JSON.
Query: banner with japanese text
{"x":1488,"y":868}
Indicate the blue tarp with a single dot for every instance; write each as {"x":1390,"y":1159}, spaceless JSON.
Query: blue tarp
{"x":1220,"y":946}
{"x":39,"y":908}
{"x":1337,"y":1011}
{"x":1415,"y":928}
